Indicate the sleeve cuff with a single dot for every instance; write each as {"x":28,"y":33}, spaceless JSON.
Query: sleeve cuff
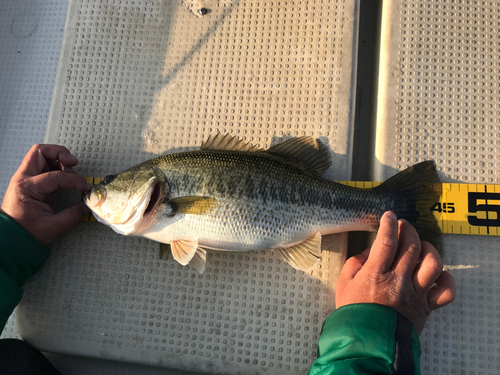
{"x":21,"y":255}
{"x":366,"y":330}
{"x":367,"y":339}
{"x":10,"y":295}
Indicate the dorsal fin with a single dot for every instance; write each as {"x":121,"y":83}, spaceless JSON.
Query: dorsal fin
{"x":306,"y":151}
{"x":227,"y":142}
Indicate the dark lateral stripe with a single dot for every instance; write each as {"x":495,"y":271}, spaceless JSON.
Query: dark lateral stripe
{"x":404,"y":363}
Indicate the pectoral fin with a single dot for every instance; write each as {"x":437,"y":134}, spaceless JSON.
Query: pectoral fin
{"x":304,"y":255}
{"x":184,"y":251}
{"x":193,"y":205}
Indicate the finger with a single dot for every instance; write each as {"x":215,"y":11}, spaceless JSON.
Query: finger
{"x":443,"y":292}
{"x":353,"y":265}
{"x":49,"y":182}
{"x":429,"y":268}
{"x":39,"y":157}
{"x":385,"y":245}
{"x":69,"y":217}
{"x":68,"y":169}
{"x":57,"y":166}
{"x":409,"y":249}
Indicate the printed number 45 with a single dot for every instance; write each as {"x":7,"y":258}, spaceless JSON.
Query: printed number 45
{"x":445,"y":207}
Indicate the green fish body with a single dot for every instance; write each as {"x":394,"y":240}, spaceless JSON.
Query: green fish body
{"x":231,"y":196}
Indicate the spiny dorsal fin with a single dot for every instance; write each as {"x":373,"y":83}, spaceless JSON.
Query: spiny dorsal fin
{"x":304,"y":255}
{"x":227,"y":142}
{"x":192,"y":205}
{"x":199,"y":260}
{"x":184,"y":251}
{"x":306,"y":151}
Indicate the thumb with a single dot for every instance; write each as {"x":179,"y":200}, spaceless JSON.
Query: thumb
{"x":443,"y":293}
{"x":69,"y":217}
{"x":351,"y":267}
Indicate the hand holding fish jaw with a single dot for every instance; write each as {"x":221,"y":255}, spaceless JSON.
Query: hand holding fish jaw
{"x":45,"y":168}
{"x":399,"y":271}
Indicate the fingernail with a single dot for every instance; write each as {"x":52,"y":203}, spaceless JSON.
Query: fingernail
{"x":89,"y":186}
{"x":391,"y":215}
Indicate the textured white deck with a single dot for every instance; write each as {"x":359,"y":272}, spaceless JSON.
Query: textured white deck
{"x":439,"y":99}
{"x":30,"y":38}
{"x":138,"y":78}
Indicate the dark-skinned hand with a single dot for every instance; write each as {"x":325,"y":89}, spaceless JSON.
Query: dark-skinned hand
{"x":398,"y":271}
{"x":45,"y":169}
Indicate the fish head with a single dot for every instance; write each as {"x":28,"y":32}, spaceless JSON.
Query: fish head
{"x":128,"y":200}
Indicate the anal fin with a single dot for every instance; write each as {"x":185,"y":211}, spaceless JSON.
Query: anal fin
{"x":304,"y":255}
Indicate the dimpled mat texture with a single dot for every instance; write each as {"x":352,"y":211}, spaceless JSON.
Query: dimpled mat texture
{"x":30,"y":39}
{"x":137,"y":78}
{"x":439,"y":84}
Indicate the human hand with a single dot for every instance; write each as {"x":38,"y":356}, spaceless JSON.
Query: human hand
{"x":399,"y":271}
{"x":45,"y":168}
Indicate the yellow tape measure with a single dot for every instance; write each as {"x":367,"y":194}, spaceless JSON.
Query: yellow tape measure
{"x":469,"y":209}
{"x":461,"y":209}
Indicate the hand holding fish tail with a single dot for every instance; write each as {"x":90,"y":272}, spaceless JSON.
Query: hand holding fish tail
{"x":45,"y":169}
{"x":399,"y":271}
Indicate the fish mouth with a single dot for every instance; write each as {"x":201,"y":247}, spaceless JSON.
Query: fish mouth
{"x":131,"y":206}
{"x":154,"y":198}
{"x":94,"y":198}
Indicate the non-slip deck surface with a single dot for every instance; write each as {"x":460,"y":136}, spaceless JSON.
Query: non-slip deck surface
{"x":137,"y":78}
{"x":439,"y":99}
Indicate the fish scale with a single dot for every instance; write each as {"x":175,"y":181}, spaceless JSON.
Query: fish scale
{"x":297,"y":199}
{"x":223,"y":198}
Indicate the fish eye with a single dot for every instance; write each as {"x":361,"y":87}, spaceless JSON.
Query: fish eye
{"x":109,"y":179}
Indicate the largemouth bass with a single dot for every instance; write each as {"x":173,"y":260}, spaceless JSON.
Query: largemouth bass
{"x":233,"y":196}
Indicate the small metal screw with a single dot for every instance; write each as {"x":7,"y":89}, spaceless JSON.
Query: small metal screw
{"x":202,"y":11}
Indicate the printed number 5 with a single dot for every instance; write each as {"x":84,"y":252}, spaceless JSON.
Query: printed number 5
{"x":475,"y":207}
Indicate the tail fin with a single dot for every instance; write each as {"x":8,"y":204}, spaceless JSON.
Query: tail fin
{"x":414,"y":196}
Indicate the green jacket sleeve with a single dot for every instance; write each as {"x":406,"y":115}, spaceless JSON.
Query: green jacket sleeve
{"x":21,"y":256}
{"x":367,"y":339}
